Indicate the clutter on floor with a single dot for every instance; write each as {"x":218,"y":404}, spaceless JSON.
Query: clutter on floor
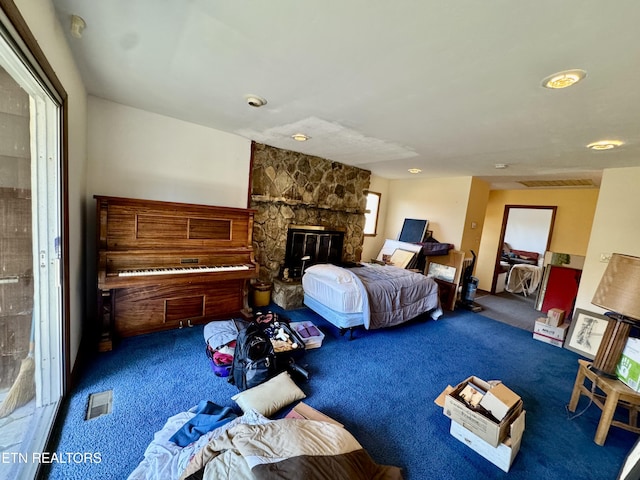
{"x":488,"y":417}
{"x":263,"y":347}
{"x":551,"y":329}
{"x":310,"y":334}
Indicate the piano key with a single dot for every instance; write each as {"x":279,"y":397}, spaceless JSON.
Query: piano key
{"x":181,"y":270}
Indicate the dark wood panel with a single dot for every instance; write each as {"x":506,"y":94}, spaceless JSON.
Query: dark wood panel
{"x":133,"y":224}
{"x":448,"y":293}
{"x":145,"y":310}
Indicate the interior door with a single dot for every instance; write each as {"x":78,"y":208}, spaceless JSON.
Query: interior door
{"x":508,"y":211}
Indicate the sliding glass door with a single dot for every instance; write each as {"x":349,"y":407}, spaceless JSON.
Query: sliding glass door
{"x":31,"y":360}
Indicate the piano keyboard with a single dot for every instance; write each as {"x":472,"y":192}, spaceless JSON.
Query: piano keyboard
{"x":179,"y":270}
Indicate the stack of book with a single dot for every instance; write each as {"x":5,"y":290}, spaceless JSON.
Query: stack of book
{"x":310,"y":334}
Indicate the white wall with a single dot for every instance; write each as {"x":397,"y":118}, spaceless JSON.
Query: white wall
{"x":528,"y":229}
{"x":616,"y":229}
{"x":138,"y":154}
{"x":40,"y":17}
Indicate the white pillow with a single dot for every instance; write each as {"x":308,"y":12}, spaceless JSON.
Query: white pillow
{"x":330,"y":272}
{"x":270,"y":396}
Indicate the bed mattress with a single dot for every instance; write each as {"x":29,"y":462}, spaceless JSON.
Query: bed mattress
{"x":344,"y":295}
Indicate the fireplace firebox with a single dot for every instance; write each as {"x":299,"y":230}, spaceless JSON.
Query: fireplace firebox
{"x":311,"y":244}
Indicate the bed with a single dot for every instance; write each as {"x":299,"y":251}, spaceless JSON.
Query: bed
{"x":372,"y":296}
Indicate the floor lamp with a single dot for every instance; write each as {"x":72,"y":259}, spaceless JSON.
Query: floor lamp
{"x":618,"y":292}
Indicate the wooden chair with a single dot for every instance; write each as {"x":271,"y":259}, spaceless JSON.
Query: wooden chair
{"x":608,"y":394}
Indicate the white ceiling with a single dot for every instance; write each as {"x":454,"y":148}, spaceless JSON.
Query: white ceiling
{"x":450,"y":87}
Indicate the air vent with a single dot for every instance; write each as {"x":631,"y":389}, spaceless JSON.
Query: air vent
{"x":99,"y":404}
{"x":585,"y":182}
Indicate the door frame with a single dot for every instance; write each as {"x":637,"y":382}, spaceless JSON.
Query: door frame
{"x":505,"y":220}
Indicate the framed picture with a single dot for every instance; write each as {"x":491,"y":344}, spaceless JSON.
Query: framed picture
{"x":442,"y":272}
{"x":585,"y":333}
{"x":401,"y":258}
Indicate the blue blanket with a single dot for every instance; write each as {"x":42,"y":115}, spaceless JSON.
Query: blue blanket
{"x":209,"y":416}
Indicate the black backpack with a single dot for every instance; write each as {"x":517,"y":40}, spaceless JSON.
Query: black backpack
{"x":254,"y":359}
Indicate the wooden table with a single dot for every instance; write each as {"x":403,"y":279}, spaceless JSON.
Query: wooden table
{"x":608,"y":394}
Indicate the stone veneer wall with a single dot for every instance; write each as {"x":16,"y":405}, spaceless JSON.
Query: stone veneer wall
{"x":290,"y":188}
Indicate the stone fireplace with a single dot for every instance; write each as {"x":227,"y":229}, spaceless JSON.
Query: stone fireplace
{"x":291,"y":189}
{"x":308,"y":245}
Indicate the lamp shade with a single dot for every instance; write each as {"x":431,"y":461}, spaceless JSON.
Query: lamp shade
{"x":619,"y":289}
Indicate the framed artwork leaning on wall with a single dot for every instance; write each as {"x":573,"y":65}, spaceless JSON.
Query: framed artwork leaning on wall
{"x":585,"y":333}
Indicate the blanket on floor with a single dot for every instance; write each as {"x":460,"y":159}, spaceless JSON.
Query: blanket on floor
{"x":287,"y":449}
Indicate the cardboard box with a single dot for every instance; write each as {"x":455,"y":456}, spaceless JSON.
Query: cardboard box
{"x":499,"y":400}
{"x":483,"y":426}
{"x":551,"y":341}
{"x":305,"y":412}
{"x":555,"y":317}
{"x":310,"y":334}
{"x":550,"y":331}
{"x":550,"y":334}
{"x":503,"y":455}
{"x":628,"y":368}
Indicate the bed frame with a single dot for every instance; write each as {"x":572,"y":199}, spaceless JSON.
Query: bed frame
{"x":344,"y":321}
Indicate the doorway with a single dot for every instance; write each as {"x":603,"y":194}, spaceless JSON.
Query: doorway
{"x":525,"y":228}
{"x":31,"y":261}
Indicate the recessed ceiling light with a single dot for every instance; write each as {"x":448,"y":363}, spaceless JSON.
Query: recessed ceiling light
{"x":300,"y":137}
{"x":605,"y":144}
{"x":255,"y":100}
{"x":414,"y":170}
{"x":77,"y":26}
{"x":500,"y":166}
{"x":564,"y":79}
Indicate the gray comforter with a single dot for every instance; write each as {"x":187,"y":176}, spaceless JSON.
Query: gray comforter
{"x":396,"y":295}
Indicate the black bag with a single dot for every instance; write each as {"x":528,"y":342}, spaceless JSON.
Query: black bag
{"x":254,"y":360}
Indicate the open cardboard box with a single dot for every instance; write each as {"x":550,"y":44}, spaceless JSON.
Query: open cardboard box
{"x":503,"y":455}
{"x":504,"y":404}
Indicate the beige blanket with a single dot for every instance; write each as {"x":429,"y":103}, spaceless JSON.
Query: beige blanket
{"x":287,"y":449}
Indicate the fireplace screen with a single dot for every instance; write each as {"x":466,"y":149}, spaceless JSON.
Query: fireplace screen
{"x":307,"y":246}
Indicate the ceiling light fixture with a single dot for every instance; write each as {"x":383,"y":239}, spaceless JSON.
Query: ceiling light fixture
{"x":500,"y":166}
{"x":300,"y":137}
{"x":255,"y":100}
{"x":414,"y":170}
{"x":564,"y":79}
{"x":605,"y":144}
{"x":77,"y":26}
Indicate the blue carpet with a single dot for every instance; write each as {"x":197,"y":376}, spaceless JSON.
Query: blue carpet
{"x":381,"y":386}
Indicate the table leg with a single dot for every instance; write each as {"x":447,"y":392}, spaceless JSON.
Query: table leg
{"x":633,"y":416}
{"x":607,"y":415}
{"x":575,"y":395}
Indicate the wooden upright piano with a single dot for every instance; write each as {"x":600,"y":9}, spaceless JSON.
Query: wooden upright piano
{"x":164,"y":265}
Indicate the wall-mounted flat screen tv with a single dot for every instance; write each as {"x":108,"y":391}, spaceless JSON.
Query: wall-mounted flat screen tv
{"x":413,"y":230}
